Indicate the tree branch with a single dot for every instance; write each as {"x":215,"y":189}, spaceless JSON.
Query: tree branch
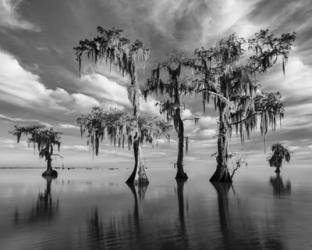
{"x":58,"y":155}
{"x":190,"y":119}
{"x":237,"y":122}
{"x":216,"y":94}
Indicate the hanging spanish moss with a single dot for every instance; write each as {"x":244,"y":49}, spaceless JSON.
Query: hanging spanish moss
{"x":279,"y":154}
{"x":111,"y":47}
{"x":121,"y":128}
{"x":44,"y":140}
{"x":172,"y":89}
{"x":228,"y":74}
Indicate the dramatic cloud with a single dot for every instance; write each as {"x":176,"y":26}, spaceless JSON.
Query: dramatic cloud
{"x":23,"y":88}
{"x":67,"y":126}
{"x":21,"y":120}
{"x":113,"y":94}
{"x":9,"y":16}
{"x":39,"y":80}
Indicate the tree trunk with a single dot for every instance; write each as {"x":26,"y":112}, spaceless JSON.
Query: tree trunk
{"x":181,"y":175}
{"x":49,"y":165}
{"x":50,"y":172}
{"x":141,"y":178}
{"x":174,"y":74}
{"x":222,"y":173}
{"x":138,"y":175}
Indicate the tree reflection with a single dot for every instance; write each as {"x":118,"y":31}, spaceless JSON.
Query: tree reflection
{"x":95,"y":231}
{"x":138,"y":192}
{"x":182,"y":229}
{"x":279,"y":187}
{"x":223,"y":208}
{"x":102,"y":236}
{"x":43,"y":209}
{"x":238,"y":227}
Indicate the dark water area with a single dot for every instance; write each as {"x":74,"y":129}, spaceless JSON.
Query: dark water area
{"x":95,"y":209}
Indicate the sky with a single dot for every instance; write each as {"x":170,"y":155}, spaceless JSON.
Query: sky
{"x":40,"y":84}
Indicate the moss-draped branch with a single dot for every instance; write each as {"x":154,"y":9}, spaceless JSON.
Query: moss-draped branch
{"x":227,"y":73}
{"x":279,"y":153}
{"x":109,"y":45}
{"x":44,"y":139}
{"x":120,"y":128}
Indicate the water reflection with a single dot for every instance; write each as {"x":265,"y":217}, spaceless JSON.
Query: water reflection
{"x":238,"y":228}
{"x":44,"y":208}
{"x":136,"y":230}
{"x":182,"y":228}
{"x":95,"y":231}
{"x":174,"y":215}
{"x":112,"y":235}
{"x":279,"y":187}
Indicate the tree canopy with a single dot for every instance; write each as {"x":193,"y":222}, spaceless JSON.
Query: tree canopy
{"x":42,"y":138}
{"x":279,"y":153}
{"x":120,"y":128}
{"x":228,"y":71}
{"x":167,"y":81}
{"x":111,"y":46}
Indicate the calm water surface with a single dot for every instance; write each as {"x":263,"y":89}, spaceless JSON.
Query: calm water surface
{"x":95,"y":209}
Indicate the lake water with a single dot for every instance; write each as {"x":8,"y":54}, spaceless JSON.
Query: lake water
{"x":95,"y":209}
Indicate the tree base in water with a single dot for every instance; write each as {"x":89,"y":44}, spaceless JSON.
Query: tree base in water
{"x":50,"y":173}
{"x":181,"y":176}
{"x":277,"y":170}
{"x":142,"y":181}
{"x":221,"y":175}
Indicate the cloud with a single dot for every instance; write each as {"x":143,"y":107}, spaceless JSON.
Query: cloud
{"x":296,"y":82}
{"x":67,"y":126}
{"x":21,"y":120}
{"x":182,"y":20}
{"x":226,"y":14}
{"x":22,"y":88}
{"x":84,"y":101}
{"x":9,"y":16}
{"x":17,"y":120}
{"x":12,"y":144}
{"x":296,"y":89}
{"x":103,"y":88}
{"x":113,"y":94}
{"x":200,"y":134}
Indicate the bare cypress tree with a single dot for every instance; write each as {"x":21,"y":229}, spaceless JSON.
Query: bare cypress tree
{"x":44,"y":140}
{"x":167,"y":81}
{"x":122,"y":128}
{"x":227,"y":73}
{"x":117,"y":50}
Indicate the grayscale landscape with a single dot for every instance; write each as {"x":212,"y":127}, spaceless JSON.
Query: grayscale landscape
{"x":166,"y":124}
